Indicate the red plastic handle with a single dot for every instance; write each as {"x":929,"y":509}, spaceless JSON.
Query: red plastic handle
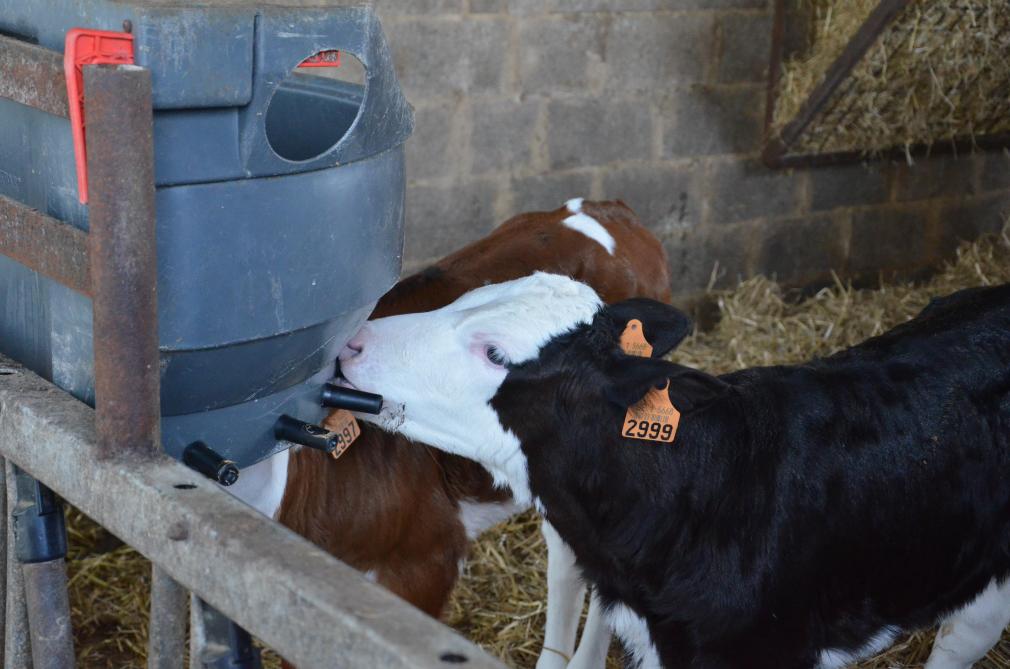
{"x":322,"y":59}
{"x":88,"y":47}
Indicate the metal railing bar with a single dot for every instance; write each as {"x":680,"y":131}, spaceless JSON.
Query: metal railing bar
{"x":44,"y":244}
{"x":33,"y":76}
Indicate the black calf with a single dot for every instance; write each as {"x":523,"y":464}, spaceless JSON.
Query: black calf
{"x":802,"y":513}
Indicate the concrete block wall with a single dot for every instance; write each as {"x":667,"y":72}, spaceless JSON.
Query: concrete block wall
{"x":522,"y":104}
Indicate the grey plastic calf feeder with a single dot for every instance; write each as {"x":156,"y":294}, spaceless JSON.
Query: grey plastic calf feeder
{"x":279,"y":199}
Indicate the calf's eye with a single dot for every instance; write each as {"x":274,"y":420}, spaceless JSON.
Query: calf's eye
{"x":495,"y":355}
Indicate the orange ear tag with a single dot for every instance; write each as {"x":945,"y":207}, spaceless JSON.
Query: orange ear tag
{"x":654,"y":418}
{"x":344,"y":425}
{"x":633,"y":340}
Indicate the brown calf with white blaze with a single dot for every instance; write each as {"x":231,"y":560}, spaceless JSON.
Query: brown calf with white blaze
{"x":405,"y":514}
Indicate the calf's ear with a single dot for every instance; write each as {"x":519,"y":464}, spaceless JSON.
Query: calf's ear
{"x":631,"y":378}
{"x":664,"y":326}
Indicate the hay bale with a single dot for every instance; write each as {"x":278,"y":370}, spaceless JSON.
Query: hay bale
{"x":936,"y":73}
{"x":500,"y":601}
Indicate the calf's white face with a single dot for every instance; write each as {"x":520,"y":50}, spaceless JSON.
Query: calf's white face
{"x":438,"y":370}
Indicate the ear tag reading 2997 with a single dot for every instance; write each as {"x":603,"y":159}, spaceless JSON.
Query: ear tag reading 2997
{"x":344,"y":425}
{"x":654,"y":418}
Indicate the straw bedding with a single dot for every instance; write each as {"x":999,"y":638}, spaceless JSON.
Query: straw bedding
{"x":500,"y":602}
{"x":938,"y":72}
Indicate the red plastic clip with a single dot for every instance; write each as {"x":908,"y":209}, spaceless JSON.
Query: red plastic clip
{"x":88,"y":47}
{"x":322,"y":59}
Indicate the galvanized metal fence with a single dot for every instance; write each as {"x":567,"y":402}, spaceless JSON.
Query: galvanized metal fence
{"x":238,"y":565}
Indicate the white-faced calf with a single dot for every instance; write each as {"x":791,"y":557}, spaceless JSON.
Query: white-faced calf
{"x":802,"y":516}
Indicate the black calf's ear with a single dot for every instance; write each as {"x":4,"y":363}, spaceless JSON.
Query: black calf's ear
{"x":631,"y":378}
{"x":664,"y":326}
{"x":691,"y":389}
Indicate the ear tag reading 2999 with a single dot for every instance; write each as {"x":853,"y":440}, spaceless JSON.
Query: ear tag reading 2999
{"x":654,"y":418}
{"x":344,"y":425}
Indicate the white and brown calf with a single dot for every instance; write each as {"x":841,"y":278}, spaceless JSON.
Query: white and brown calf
{"x":405,"y":513}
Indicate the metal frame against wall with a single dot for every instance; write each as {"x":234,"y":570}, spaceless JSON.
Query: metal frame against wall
{"x":777,"y":147}
{"x":312,"y":609}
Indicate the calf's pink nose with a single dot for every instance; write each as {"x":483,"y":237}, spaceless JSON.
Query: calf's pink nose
{"x":354,"y":347}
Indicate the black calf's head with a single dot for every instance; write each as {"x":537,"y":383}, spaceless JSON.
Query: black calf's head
{"x":507,"y":361}
{"x":582,"y":382}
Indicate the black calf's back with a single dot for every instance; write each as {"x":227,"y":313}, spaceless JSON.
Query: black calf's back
{"x":802,"y":508}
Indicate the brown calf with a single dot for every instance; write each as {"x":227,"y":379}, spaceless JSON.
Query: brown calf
{"x":403,"y":512}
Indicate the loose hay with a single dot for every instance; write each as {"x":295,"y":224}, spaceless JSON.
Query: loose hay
{"x":500,"y":602}
{"x":937,"y":73}
{"x":109,"y":597}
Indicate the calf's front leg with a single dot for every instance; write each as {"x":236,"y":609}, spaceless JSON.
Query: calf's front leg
{"x":595,"y":640}
{"x":566,"y":592}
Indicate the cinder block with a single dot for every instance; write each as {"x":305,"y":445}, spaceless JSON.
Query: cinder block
{"x":940,"y":176}
{"x":558,"y":54}
{"x":589,"y":131}
{"x":699,"y":254}
{"x":440,"y":218}
{"x":967,"y":221}
{"x":802,"y":251}
{"x":435,"y":148}
{"x":745,"y":53}
{"x":646,"y":53}
{"x":995,"y":170}
{"x":557,"y":6}
{"x":441,"y":56}
{"x":744,"y":190}
{"x":417,"y":7}
{"x":546,"y":192}
{"x":488,"y":6}
{"x":503,"y":134}
{"x":663,"y":196}
{"x":889,"y":241}
{"x":712,"y":120}
{"x":850,"y":185}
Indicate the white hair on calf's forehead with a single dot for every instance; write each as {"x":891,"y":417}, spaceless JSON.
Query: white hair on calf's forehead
{"x":528,"y":312}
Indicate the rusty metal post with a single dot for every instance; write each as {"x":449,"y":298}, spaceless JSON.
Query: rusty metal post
{"x":17,"y":649}
{"x":169,"y":620}
{"x":48,"y":603}
{"x":124,"y":282}
{"x":40,"y":546}
{"x":3,"y":548}
{"x":124,"y":272}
